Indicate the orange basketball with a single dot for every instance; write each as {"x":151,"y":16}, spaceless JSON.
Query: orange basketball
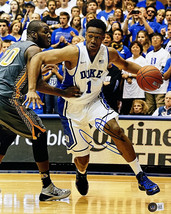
{"x":149,"y":78}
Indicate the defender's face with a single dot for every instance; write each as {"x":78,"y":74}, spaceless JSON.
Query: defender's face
{"x":44,"y":37}
{"x":94,"y":38}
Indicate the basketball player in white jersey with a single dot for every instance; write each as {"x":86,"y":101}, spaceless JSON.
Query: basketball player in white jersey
{"x":86,"y":67}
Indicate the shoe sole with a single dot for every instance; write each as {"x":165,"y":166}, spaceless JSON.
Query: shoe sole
{"x":148,"y":192}
{"x":44,"y":197}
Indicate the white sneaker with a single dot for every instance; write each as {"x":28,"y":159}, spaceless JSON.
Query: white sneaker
{"x":53,"y":193}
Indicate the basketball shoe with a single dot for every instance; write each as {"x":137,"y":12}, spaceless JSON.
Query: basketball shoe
{"x":146,"y":184}
{"x":53,"y":193}
{"x":81,"y":183}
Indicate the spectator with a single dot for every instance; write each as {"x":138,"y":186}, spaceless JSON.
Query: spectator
{"x":4,"y":31}
{"x":7,"y":17}
{"x":14,"y":9}
{"x":139,"y":107}
{"x":108,"y":39}
{"x":109,"y":4}
{"x":157,"y":58}
{"x":30,"y":7}
{"x":117,"y":43}
{"x":34,"y":16}
{"x":16,"y":30}
{"x":64,"y":7}
{"x":4,"y":6}
{"x":52,"y":20}
{"x":77,"y":39}
{"x":168,"y":5}
{"x":54,"y":78}
{"x":114,"y":25}
{"x":159,"y":5}
{"x":167,"y":21}
{"x":63,"y":35}
{"x":40,"y":7}
{"x":112,"y":83}
{"x":119,"y":16}
{"x":5,"y":44}
{"x":131,"y":90}
{"x":166,"y":109}
{"x":76,"y":24}
{"x":167,"y":42}
{"x":100,"y":5}
{"x":80,"y":4}
{"x":19,"y":17}
{"x":45,"y":13}
{"x":141,"y":24}
{"x":144,"y":40}
{"x":160,"y":16}
{"x":151,"y":16}
{"x":167,"y":73}
{"x":128,"y":7}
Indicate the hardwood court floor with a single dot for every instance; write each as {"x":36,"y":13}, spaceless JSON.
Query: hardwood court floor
{"x":108,"y":194}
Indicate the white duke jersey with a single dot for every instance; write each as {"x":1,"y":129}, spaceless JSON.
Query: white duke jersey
{"x":158,"y":59}
{"x":87,"y":76}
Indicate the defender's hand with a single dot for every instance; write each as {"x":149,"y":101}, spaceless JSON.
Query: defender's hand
{"x":33,"y":97}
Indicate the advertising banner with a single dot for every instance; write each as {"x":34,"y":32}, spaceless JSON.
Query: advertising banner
{"x":151,"y":138}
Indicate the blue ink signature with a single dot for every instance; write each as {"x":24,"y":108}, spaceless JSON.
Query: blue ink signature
{"x":107,"y":145}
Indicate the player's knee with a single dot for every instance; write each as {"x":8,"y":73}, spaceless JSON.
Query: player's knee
{"x":39,"y":146}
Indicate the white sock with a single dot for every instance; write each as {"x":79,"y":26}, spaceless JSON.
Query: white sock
{"x":135,"y":166}
{"x":81,"y":172}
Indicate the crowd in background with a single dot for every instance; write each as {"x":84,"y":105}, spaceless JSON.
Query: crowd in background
{"x":139,"y":30}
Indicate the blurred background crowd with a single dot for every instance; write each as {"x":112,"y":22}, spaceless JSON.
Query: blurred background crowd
{"x":139,"y":30}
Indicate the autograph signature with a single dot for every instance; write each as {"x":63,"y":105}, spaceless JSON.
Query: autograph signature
{"x":99,"y":124}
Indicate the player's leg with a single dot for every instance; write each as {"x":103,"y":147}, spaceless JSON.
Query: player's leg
{"x":26,"y":123}
{"x":81,"y":183}
{"x":6,"y":139}
{"x":49,"y":191}
{"x":77,"y":144}
{"x":126,"y":149}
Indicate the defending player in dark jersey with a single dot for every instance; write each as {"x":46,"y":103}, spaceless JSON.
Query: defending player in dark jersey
{"x":15,"y":118}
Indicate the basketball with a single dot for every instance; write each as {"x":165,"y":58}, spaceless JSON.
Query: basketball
{"x":149,"y":78}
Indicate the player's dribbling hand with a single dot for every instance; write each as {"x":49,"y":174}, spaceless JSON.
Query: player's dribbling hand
{"x":72,"y":91}
{"x":33,"y":97}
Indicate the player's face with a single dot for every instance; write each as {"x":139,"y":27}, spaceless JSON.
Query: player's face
{"x":44,"y":37}
{"x":94,"y":38}
{"x":137,"y":108}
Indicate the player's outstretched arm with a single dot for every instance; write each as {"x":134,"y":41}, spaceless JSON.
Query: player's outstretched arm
{"x":68,"y":54}
{"x":121,"y":63}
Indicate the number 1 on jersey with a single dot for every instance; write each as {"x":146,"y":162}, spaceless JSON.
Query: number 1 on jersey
{"x":89,"y":87}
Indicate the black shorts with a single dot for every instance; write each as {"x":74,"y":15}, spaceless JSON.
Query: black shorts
{"x":18,"y":119}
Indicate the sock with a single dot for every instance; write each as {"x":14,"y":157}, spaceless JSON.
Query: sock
{"x":135,"y":166}
{"x":45,"y":177}
{"x":81,"y":172}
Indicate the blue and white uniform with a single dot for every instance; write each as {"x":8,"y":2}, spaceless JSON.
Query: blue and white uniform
{"x":79,"y":114}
